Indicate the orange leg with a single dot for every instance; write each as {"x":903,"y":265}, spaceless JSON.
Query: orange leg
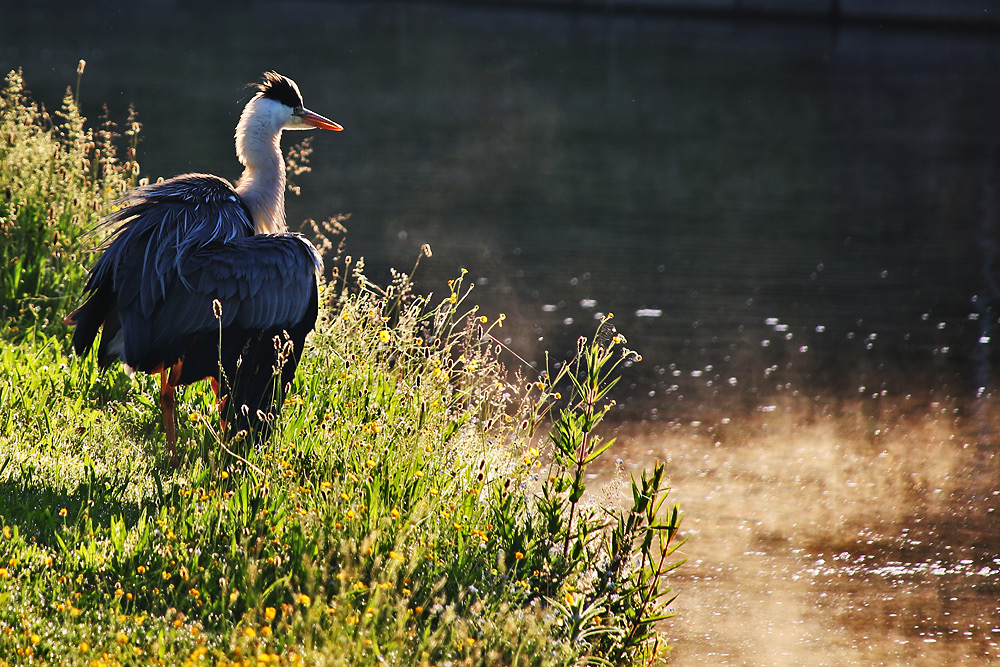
{"x":167,"y":403}
{"x":221,"y":405}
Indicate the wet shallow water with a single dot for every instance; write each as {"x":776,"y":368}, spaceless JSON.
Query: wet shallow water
{"x":815,"y":541}
{"x":797,"y":226}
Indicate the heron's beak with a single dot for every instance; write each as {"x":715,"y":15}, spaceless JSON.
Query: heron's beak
{"x":315,"y":120}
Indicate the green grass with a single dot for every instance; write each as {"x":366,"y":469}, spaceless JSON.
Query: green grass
{"x":416,"y":506}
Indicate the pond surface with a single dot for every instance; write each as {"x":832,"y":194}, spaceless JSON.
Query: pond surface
{"x":797,"y":226}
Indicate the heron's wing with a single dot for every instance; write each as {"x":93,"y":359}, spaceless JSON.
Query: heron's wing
{"x":260,"y":282}
{"x":158,"y":227}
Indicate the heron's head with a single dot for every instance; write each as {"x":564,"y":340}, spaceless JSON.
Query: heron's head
{"x":279,"y":99}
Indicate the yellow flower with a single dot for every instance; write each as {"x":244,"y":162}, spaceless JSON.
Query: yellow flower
{"x":84,"y":647}
{"x":396,"y":556}
{"x":4,"y":573}
{"x":141,"y":569}
{"x":63,"y":512}
{"x":121,"y":638}
{"x":303,"y":599}
{"x":351,"y":620}
{"x":518,"y":555}
{"x":35,"y":638}
{"x":195,"y":592}
{"x":250,"y":633}
{"x":266,"y":631}
{"x":270,"y":613}
{"x":371,"y":463}
{"x":224,"y":475}
{"x":394,"y":513}
{"x":6,"y":532}
{"x":383,"y":336}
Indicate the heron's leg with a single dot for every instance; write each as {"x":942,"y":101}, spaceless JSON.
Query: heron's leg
{"x":220,"y":404}
{"x":167,"y":403}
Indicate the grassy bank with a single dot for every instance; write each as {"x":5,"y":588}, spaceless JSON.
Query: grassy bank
{"x":411,"y":508}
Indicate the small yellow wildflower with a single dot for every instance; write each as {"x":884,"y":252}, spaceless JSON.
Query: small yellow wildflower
{"x":303,"y":599}
{"x":270,"y":613}
{"x":394,"y":513}
{"x":4,"y":573}
{"x":84,"y":647}
{"x":141,"y":569}
{"x":35,"y":638}
{"x":383,"y":336}
{"x":224,"y":475}
{"x":121,"y":638}
{"x":250,"y":633}
{"x":265,"y":631}
{"x":63,"y":512}
{"x":518,"y":555}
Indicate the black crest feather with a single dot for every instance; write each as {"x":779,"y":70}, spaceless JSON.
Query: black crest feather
{"x":279,"y":88}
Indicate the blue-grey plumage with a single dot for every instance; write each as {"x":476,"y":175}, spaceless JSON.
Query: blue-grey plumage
{"x":186,"y":248}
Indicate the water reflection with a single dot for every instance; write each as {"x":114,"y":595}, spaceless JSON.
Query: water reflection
{"x":795,"y":225}
{"x":842,"y":536}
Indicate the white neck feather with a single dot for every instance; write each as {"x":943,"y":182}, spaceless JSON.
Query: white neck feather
{"x":258,"y":147}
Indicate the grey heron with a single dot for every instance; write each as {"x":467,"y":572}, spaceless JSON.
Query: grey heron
{"x":200,"y":279}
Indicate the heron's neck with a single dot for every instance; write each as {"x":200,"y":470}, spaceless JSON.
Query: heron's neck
{"x":262,"y":185}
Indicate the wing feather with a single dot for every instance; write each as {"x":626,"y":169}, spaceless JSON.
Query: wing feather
{"x":261,"y":281}
{"x":157,"y":228}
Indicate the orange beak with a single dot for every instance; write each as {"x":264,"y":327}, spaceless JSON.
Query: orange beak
{"x":315,"y":120}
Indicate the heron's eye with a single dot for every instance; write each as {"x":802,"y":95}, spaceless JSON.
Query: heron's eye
{"x":297,"y":111}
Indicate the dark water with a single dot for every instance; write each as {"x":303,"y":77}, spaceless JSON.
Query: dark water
{"x":797,"y":226}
